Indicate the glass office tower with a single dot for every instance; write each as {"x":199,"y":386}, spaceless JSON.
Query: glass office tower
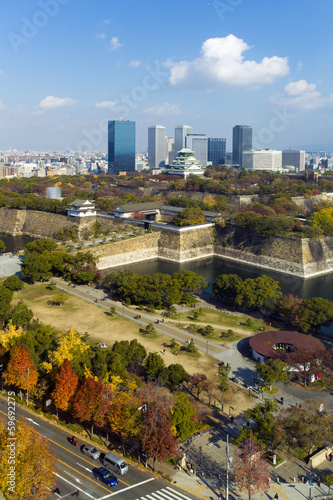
{"x":241,"y":141}
{"x":216,"y":151}
{"x":121,"y":146}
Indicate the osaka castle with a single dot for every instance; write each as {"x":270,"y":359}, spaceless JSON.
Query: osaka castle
{"x":186,"y":164}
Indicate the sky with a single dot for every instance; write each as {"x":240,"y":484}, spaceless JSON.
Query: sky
{"x":69,"y":66}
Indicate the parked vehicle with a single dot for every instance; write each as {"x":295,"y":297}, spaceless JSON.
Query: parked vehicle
{"x":91,"y":451}
{"x":115,"y":463}
{"x":73,"y":440}
{"x":105,"y":476}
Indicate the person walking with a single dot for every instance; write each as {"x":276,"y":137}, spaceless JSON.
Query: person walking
{"x":276,"y":496}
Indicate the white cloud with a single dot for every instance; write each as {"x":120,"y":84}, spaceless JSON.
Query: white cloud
{"x":106,"y":21}
{"x":115,"y":44}
{"x":100,"y":36}
{"x":301,"y":94}
{"x":135,"y":64}
{"x":105,"y":104}
{"x":51,"y":102}
{"x":222,"y":62}
{"x":1,"y":105}
{"x":165,"y":109}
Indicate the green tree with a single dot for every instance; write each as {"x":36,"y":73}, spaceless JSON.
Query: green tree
{"x":6,"y":296}
{"x":263,"y":415}
{"x":13,"y":283}
{"x":314,"y":313}
{"x":189,"y":217}
{"x":174,"y":374}
{"x":154,"y":365}
{"x":2,"y":246}
{"x":21,"y":315}
{"x":272,"y":370}
{"x":224,"y":385}
{"x":183,"y":416}
{"x":36,"y":267}
{"x":324,"y":220}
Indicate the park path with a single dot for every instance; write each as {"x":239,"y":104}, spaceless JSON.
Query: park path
{"x":94,"y":296}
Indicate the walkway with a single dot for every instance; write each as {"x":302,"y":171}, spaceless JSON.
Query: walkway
{"x":92,"y":294}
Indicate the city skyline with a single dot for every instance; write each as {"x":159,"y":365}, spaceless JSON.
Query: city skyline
{"x":65,"y":72}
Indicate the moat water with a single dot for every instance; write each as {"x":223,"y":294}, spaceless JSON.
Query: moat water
{"x":13,"y":242}
{"x":211,"y":267}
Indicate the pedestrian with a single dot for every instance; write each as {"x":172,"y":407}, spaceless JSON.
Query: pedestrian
{"x":330,"y":456}
{"x":276,"y":496}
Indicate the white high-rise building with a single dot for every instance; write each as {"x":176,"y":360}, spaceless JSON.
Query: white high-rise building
{"x":180,"y":134}
{"x":199,"y":144}
{"x":293,"y":158}
{"x":263,"y":159}
{"x":156,"y":146}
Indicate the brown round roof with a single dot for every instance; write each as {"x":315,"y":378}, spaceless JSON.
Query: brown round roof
{"x":263,"y":342}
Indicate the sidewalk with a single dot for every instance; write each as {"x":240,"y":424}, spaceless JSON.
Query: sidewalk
{"x":207,"y":456}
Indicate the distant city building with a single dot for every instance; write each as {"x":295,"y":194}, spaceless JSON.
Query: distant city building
{"x":156,"y":146}
{"x":186,"y":164}
{"x":198,"y":144}
{"x":293,"y":158}
{"x":170,"y":150}
{"x":180,"y":134}
{"x":241,"y":141}
{"x":121,"y":146}
{"x":263,"y":159}
{"x":217,"y":151}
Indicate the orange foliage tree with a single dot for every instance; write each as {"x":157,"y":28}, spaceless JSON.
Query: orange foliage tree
{"x":65,"y":386}
{"x":21,"y":370}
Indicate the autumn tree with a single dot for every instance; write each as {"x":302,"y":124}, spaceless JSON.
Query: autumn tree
{"x":123,"y":417}
{"x":9,"y":335}
{"x":251,"y":472}
{"x":289,"y":308}
{"x":199,"y":381}
{"x":21,"y":370}
{"x":69,"y":346}
{"x":158,"y":441}
{"x":306,"y":362}
{"x":59,"y":299}
{"x":87,"y":401}
{"x":65,"y":386}
{"x":34,"y":463}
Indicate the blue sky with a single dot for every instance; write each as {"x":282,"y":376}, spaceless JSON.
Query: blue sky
{"x":68,"y":66}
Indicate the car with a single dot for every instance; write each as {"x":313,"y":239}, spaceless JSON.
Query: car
{"x":91,"y":451}
{"x":105,"y":476}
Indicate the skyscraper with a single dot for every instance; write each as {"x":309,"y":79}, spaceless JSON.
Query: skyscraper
{"x":156,"y":146}
{"x":198,"y":144}
{"x":180,"y":134}
{"x":216,"y":151}
{"x":241,"y":141}
{"x":121,"y":146}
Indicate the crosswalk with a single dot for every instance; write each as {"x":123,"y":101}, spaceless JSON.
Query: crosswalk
{"x":165,"y":494}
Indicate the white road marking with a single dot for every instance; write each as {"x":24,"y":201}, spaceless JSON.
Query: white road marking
{"x":74,"y":486}
{"x":83,"y":467}
{"x":128,"y":488}
{"x":32,"y":421}
{"x":75,"y":478}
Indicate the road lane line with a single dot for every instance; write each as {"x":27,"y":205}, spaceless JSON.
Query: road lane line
{"x":178,"y":493}
{"x":98,"y":484}
{"x":129,"y":488}
{"x":74,"y":486}
{"x":83,"y":467}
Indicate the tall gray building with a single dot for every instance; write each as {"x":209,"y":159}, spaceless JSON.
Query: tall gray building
{"x":156,"y":146}
{"x":293,"y":158}
{"x":199,"y":145}
{"x":241,"y":141}
{"x":180,"y":134}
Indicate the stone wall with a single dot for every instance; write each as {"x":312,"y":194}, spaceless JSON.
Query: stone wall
{"x":184,"y":244}
{"x":127,"y":251}
{"x":297,"y":256}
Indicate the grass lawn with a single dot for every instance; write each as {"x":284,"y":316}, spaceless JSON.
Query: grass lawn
{"x":224,"y":321}
{"x":91,"y":318}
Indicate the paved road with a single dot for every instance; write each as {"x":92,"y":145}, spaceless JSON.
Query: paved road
{"x":74,"y":470}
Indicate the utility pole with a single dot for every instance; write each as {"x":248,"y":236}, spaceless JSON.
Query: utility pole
{"x":28,"y":387}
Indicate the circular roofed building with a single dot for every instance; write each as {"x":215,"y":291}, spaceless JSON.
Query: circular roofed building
{"x":271,"y":344}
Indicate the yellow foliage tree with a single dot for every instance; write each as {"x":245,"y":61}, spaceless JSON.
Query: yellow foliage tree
{"x":324,"y":220}
{"x":70,"y":346}
{"x":58,"y":184}
{"x":9,"y":335}
{"x":209,"y":200}
{"x":26,"y":462}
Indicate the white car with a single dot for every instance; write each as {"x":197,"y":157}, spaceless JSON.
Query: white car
{"x":91,"y":451}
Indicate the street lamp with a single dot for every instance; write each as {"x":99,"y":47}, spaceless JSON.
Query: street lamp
{"x":229,"y":460}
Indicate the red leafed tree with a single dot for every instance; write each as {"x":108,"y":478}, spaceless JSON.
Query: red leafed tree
{"x":251,"y":472}
{"x":138,"y":215}
{"x":87,"y":401}
{"x":65,"y":386}
{"x":158,"y":441}
{"x":21,"y":370}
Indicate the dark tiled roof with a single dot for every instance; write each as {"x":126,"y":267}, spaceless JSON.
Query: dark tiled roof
{"x":263,"y":342}
{"x":79,"y":202}
{"x":138,"y":207}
